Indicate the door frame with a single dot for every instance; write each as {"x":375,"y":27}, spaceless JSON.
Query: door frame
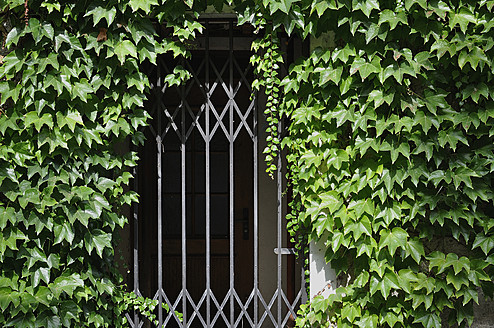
{"x":263,"y":308}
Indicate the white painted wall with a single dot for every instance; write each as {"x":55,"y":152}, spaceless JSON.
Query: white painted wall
{"x":322,"y":276}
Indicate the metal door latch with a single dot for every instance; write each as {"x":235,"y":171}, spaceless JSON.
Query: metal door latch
{"x":284,"y":251}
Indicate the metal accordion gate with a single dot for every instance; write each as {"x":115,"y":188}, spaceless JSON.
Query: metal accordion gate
{"x":209,"y":235}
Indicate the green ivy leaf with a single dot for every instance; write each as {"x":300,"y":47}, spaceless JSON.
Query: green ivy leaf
{"x":98,"y":240}
{"x":368,"y":321}
{"x":429,"y":320}
{"x":282,"y":5}
{"x":67,"y":283}
{"x":393,"y":239}
{"x":330,"y":75}
{"x":24,"y":320}
{"x":363,"y":67}
{"x":350,"y":312}
{"x":415,"y":248}
{"x":7,"y":297}
{"x":63,"y":232}
{"x":392,"y":18}
{"x":125,"y":48}
{"x":457,"y":280}
{"x":398,"y":71}
{"x":13,"y":36}
{"x":462,"y":18}
{"x":486,"y":243}
{"x":410,"y":3}
{"x":145,"y":5}
{"x":385,"y":284}
{"x":99,"y":12}
{"x":451,"y":137}
{"x":48,"y":320}
{"x":70,"y":119}
{"x":82,"y":89}
{"x":51,"y":6}
{"x":330,"y":200}
{"x":468,"y":295}
{"x":365,"y":6}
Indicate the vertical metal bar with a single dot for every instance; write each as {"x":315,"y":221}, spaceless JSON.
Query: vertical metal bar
{"x":136,"y":245}
{"x":256,"y":218}
{"x":208,"y":190}
{"x":279,"y":182}
{"x":184,"y":218}
{"x":231,"y":133}
{"x":159,"y":145}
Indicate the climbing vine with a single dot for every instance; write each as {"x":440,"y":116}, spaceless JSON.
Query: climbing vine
{"x":391,"y":159}
{"x":266,"y":61}
{"x":72,"y":94}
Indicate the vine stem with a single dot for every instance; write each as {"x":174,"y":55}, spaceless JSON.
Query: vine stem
{"x":26,"y":13}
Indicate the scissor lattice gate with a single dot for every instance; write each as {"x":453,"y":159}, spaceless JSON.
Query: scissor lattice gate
{"x":199,"y":245}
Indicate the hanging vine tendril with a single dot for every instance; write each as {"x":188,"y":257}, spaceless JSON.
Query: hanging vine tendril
{"x":266,"y":59}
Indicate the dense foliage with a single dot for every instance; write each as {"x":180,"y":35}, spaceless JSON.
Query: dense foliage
{"x":392,"y":158}
{"x":71,"y":95}
{"x":390,"y":150}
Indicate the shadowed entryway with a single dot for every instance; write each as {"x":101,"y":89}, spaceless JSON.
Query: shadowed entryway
{"x":208,"y":222}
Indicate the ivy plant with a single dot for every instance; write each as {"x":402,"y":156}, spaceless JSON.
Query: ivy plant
{"x":391,"y":154}
{"x":266,"y":61}
{"x":72,"y":94}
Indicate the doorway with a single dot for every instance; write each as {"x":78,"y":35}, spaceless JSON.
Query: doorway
{"x":209,"y":240}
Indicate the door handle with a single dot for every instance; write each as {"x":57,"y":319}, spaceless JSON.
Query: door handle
{"x":284,"y":251}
